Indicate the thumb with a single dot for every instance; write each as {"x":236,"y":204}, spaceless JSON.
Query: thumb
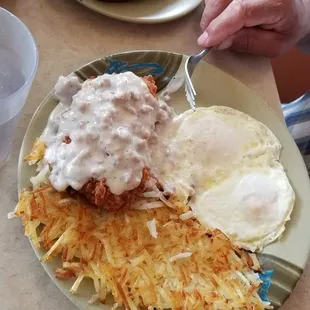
{"x":256,"y":41}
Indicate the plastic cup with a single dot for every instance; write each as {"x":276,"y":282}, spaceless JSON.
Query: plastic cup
{"x":18,"y":65}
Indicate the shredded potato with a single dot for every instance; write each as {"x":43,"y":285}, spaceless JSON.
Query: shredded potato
{"x":185,"y":267}
{"x":37,"y":152}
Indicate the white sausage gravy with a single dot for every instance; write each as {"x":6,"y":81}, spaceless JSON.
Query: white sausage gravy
{"x":106,"y":128}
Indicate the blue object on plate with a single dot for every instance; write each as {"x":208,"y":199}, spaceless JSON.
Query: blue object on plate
{"x":117,"y":66}
{"x":266,"y":278}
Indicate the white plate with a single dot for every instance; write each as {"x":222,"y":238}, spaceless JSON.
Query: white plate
{"x":143,"y":11}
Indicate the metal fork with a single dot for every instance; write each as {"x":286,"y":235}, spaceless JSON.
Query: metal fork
{"x":190,"y":66}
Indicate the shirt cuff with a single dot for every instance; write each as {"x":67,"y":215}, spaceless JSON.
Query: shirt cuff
{"x":304,"y":44}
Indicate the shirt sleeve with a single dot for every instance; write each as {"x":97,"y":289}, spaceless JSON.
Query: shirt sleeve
{"x":304,"y":44}
{"x":297,"y":118}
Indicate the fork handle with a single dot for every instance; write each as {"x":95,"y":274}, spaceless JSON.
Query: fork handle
{"x":204,"y":53}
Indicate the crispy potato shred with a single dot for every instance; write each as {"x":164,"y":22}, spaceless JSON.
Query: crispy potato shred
{"x":185,"y":267}
{"x":37,"y":152}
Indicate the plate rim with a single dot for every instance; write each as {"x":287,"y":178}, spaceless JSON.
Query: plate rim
{"x":138,"y":20}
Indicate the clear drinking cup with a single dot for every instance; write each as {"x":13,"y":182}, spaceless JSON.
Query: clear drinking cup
{"x":18,"y":65}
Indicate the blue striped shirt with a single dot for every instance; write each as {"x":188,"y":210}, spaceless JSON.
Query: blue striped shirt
{"x":297,"y":118}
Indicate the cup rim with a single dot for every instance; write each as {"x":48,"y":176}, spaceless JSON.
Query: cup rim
{"x":35,"y":68}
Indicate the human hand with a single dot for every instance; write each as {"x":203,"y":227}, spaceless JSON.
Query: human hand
{"x":261,"y":27}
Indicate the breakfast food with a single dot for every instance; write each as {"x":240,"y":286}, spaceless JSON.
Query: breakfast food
{"x":147,"y":259}
{"x":232,"y":173}
{"x":191,"y":194}
{"x":101,"y":139}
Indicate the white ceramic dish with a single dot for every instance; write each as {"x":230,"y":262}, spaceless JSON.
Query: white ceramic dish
{"x":143,"y":11}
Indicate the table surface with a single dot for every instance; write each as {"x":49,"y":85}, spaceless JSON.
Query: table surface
{"x":68,"y":36}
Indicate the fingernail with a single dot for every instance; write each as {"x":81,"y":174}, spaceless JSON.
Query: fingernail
{"x":225,"y":44}
{"x":203,"y":39}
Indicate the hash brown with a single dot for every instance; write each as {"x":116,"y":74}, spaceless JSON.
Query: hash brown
{"x":116,"y":250}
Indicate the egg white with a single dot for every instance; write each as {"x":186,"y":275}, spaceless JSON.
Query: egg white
{"x":227,"y":163}
{"x":251,"y":208}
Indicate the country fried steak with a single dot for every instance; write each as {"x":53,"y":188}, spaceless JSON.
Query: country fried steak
{"x":99,"y":194}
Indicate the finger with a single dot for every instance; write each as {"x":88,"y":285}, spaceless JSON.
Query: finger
{"x":213,"y":8}
{"x":257,"y":42}
{"x":239,"y":14}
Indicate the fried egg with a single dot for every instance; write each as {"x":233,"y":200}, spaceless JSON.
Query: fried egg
{"x":226,"y":164}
